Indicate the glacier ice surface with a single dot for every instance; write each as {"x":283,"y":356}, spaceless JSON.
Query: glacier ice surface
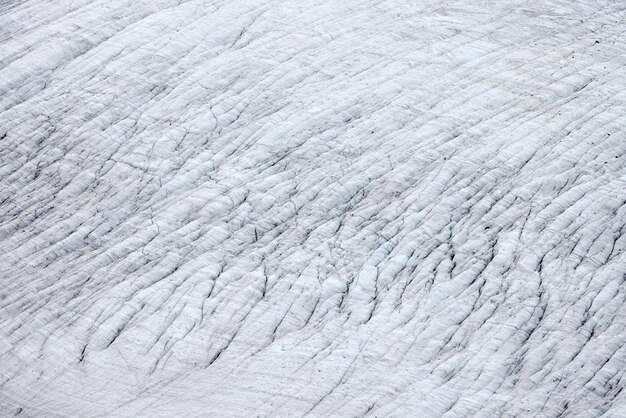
{"x":322,"y":208}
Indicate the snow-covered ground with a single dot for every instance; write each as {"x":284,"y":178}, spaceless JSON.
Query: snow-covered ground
{"x":323,"y":208}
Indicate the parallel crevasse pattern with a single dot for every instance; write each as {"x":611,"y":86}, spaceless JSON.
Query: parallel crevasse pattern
{"x":328,"y":208}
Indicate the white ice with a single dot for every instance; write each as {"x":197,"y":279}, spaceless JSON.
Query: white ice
{"x":324,"y":208}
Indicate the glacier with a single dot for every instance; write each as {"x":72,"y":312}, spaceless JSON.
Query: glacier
{"x":312,"y":208}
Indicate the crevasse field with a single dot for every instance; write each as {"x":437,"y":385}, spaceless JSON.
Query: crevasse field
{"x":312,"y":208}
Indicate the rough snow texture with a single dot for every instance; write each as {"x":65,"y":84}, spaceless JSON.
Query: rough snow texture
{"x":323,"y":208}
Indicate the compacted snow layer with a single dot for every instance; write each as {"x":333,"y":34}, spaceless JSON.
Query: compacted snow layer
{"x":323,"y":208}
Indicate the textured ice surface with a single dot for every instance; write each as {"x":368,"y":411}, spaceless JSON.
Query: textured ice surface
{"x":324,"y":208}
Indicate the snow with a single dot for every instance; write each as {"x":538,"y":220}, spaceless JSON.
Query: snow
{"x":322,"y":208}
